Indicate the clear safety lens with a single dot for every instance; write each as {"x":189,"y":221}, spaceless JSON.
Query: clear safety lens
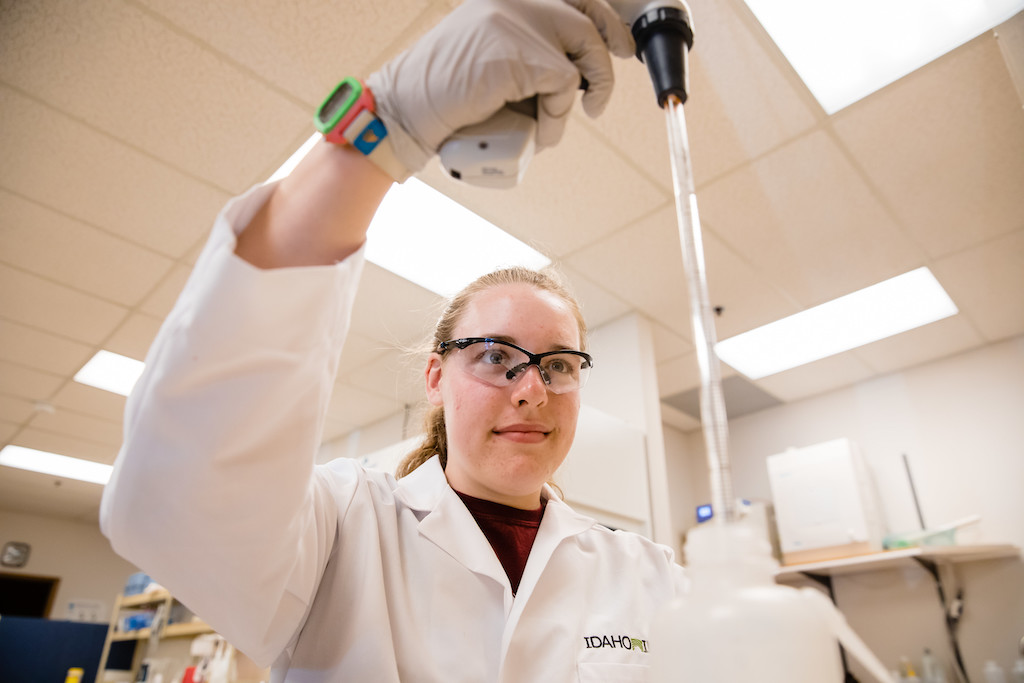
{"x":501,"y":363}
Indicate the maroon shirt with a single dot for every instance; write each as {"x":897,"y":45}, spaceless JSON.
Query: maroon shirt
{"x":509,"y":530}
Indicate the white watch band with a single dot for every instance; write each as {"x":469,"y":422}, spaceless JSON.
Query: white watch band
{"x":367,"y":134}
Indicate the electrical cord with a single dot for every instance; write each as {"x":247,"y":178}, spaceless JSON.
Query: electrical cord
{"x":952,"y":611}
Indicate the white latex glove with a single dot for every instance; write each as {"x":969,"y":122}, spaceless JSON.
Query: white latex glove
{"x":490,"y":52}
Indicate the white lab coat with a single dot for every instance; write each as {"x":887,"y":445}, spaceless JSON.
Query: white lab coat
{"x":336,"y":573}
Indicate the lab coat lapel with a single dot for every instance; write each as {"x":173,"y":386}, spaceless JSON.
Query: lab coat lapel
{"x":560,"y":522}
{"x":447,"y":523}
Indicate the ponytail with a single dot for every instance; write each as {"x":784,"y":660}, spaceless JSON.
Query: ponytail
{"x":435,"y":442}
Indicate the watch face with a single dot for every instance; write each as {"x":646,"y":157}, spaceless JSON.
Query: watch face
{"x":337,"y":104}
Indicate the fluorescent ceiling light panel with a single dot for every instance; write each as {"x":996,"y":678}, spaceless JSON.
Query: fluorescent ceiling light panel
{"x":432,"y":240}
{"x":845,"y":51}
{"x":57,"y":465}
{"x":876,"y":312}
{"x":111,"y":372}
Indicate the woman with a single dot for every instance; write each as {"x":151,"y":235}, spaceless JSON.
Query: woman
{"x":466,"y":570}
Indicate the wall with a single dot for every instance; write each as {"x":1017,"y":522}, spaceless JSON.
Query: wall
{"x":75,"y":552}
{"x":959,"y":421}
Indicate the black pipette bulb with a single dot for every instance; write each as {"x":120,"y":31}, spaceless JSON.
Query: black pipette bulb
{"x":663,"y":40}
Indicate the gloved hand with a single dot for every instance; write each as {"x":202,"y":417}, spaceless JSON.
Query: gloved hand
{"x":489,"y":52}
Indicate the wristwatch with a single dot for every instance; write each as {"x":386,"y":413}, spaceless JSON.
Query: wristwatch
{"x":347,"y":117}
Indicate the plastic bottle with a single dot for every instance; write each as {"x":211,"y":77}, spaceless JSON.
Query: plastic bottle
{"x":931,"y":669}
{"x":907,"y":671}
{"x":737,"y":624}
{"x":1018,"y":670}
{"x":994,"y":673}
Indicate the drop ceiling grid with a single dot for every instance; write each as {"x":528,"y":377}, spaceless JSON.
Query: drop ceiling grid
{"x":30,"y":493}
{"x":944,"y":147}
{"x":81,"y":398}
{"x":393,"y":311}
{"x":918,"y":346}
{"x":808,"y":221}
{"x":60,"y":310}
{"x":302,"y":49}
{"x":598,"y":304}
{"x":61,"y":249}
{"x":134,"y":336}
{"x":356,"y":407}
{"x":14,"y":410}
{"x":987,"y":283}
{"x":744,"y":97}
{"x":598,"y":193}
{"x":642,"y":264}
{"x":113,"y":65}
{"x":395,"y":375}
{"x":85,"y":427}
{"x":75,"y":447}
{"x":742,"y":290}
{"x":41,"y":350}
{"x":22,"y":382}
{"x":78,"y":171}
{"x":816,"y":378}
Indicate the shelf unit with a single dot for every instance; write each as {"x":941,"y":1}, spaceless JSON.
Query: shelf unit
{"x":939,"y":561}
{"x":149,"y":600}
{"x":895,"y":559}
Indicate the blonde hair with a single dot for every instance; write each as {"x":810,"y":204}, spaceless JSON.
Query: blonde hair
{"x":436,"y":440}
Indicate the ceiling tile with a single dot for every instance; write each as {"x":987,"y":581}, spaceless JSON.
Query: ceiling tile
{"x":740,"y":103}
{"x":921,"y":345}
{"x":815,"y":378}
{"x":945,"y":148}
{"x":678,"y":419}
{"x":131,"y":75}
{"x":744,"y":98}
{"x":7,"y":429}
{"x":58,"y":162}
{"x":358,"y":352}
{"x":84,"y":427}
{"x":134,"y":337}
{"x":987,"y":284}
{"x":668,"y":344}
{"x":162,"y":299}
{"x":597,"y":302}
{"x":285,"y":43}
{"x":43,"y":494}
{"x":742,"y":291}
{"x":1010,"y":36}
{"x":804,"y":217}
{"x":335,"y":429}
{"x":16,"y":410}
{"x":66,"y":445}
{"x":22,"y":382}
{"x":556,"y":223}
{"x":357,"y":407}
{"x":41,"y":350}
{"x":39,"y":303}
{"x":54,"y":246}
{"x":392,"y":310}
{"x":87,"y":400}
{"x":394,"y":375}
{"x":643,"y":265}
{"x":683,"y":373}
